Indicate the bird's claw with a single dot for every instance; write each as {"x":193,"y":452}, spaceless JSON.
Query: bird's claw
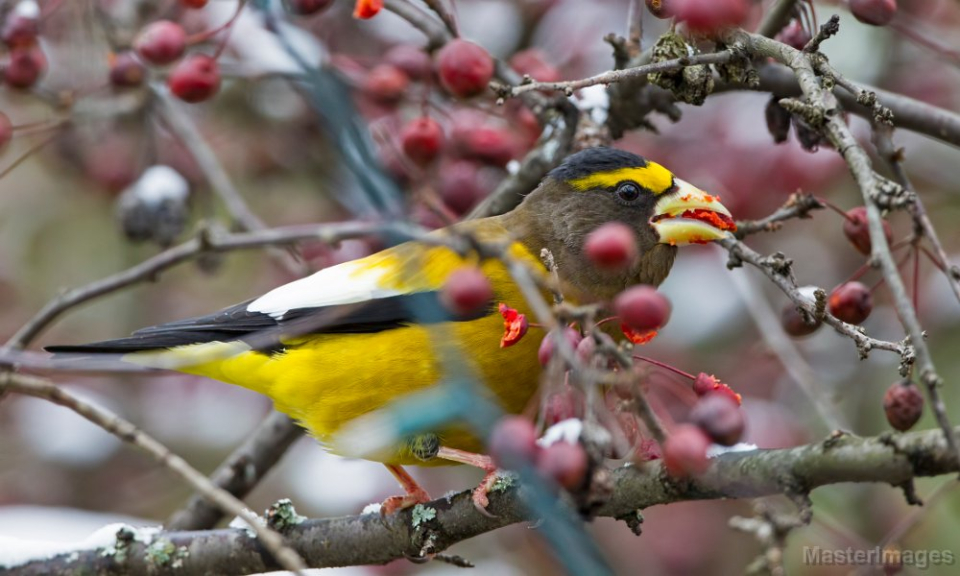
{"x":394,"y":504}
{"x":479,"y":496}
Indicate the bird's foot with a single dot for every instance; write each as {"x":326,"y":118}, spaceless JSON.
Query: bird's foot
{"x":485,"y":463}
{"x":415,"y":494}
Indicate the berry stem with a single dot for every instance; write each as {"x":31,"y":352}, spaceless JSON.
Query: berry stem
{"x":26,"y":155}
{"x":916,"y":279}
{"x":835,"y":208}
{"x":664,"y":366}
{"x":207,"y":34}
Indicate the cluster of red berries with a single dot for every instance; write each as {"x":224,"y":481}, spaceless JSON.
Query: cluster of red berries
{"x":513,"y":443}
{"x":192,"y":78}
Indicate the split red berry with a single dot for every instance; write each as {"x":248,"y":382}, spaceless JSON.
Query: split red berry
{"x":126,"y":70}
{"x":661,"y":8}
{"x":307,"y":7}
{"x":533,"y":63}
{"x":857,"y":230}
{"x":515,"y":325}
{"x":642,"y":308}
{"x":195,"y":78}
{"x":6,"y":131}
{"x":720,"y":417}
{"x":874,"y":12}
{"x":685,"y":451}
{"x":903,"y":405}
{"x":547,"y":346}
{"x":794,"y":35}
{"x":705,"y":384}
{"x":851,"y":302}
{"x":365,"y":9}
{"x":466,"y":291}
{"x":386,"y":84}
{"x":414,"y":61}
{"x":465,"y":69}
{"x":161,"y":42}
{"x":22,"y":25}
{"x":25,"y":67}
{"x":565,"y":463}
{"x":421,"y":140}
{"x":794,"y":323}
{"x":513,"y":441}
{"x":612,"y":246}
{"x":709,"y":15}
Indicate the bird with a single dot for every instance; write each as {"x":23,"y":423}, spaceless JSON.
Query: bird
{"x":356,"y":336}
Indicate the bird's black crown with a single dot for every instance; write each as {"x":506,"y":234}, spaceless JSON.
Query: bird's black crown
{"x":594,"y":160}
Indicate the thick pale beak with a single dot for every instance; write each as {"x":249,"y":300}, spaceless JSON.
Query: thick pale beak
{"x":689,"y":215}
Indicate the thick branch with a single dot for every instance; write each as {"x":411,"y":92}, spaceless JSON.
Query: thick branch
{"x":371,"y":539}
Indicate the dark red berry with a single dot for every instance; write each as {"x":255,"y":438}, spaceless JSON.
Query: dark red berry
{"x":195,"y":4}
{"x":613,"y":246}
{"x":642,"y":308}
{"x":307,"y":7}
{"x":874,"y":12}
{"x":778,"y":120}
{"x":126,"y":70}
{"x":794,"y":35}
{"x":565,"y":463}
{"x":903,"y":405}
{"x":465,"y":69}
{"x":513,"y":441}
{"x":461,"y":185}
{"x":533,"y":63}
{"x":720,"y":417}
{"x":466,"y":291}
{"x":857,"y":230}
{"x":161,"y":42}
{"x":386,"y":84}
{"x":421,"y":140}
{"x":195,"y":78}
{"x":851,"y":302}
{"x":414,"y":61}
{"x":809,"y":139}
{"x":709,"y":15}
{"x":685,"y":451}
{"x":25,"y":67}
{"x":794,"y":323}
{"x":6,"y":131}
{"x":547,"y":346}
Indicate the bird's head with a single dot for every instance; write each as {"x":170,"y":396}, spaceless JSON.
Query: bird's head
{"x":600,"y":185}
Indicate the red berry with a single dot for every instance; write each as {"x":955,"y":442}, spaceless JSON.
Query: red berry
{"x":195,"y":4}
{"x":661,"y":8}
{"x":465,"y":69}
{"x":586,"y":348}
{"x":195,"y":78}
{"x":720,"y":417}
{"x":466,"y":291}
{"x":794,"y":35}
{"x":533,"y":63}
{"x":613,"y":246}
{"x":6,"y":131}
{"x":685,"y":451}
{"x":642,"y":308}
{"x":494,"y":146}
{"x":161,"y":42}
{"x":513,"y":441}
{"x":25,"y":67}
{"x":386,"y":84}
{"x":548,"y":344}
{"x":857,"y":230}
{"x":903,"y":405}
{"x":562,"y":406}
{"x":565,"y":463}
{"x":709,"y":15}
{"x":365,"y":9}
{"x":705,"y":384}
{"x":414,"y":61}
{"x":421,"y":140}
{"x":21,"y":26}
{"x":794,"y":323}
{"x":874,"y":12}
{"x":851,"y":302}
{"x":460,"y":185}
{"x":307,"y":7}
{"x":126,"y":70}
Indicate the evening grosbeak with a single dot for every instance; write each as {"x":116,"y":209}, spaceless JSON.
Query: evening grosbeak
{"x":364,"y":331}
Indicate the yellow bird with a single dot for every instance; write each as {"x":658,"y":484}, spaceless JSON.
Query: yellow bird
{"x":367,"y":327}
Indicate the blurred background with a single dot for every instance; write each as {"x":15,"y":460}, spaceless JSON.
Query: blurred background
{"x":61,"y":477}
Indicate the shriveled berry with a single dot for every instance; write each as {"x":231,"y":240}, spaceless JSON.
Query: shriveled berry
{"x":465,"y":69}
{"x":794,"y":35}
{"x":513,"y":441}
{"x":794,"y":323}
{"x":421,"y":140}
{"x":126,"y":70}
{"x":307,"y":7}
{"x":25,"y":67}
{"x":660,"y":8}
{"x":564,"y":462}
{"x":386,"y":84}
{"x":857,"y":230}
{"x":903,"y":405}
{"x":809,"y":139}
{"x":612,"y":246}
{"x":778,"y":120}
{"x":547,"y":346}
{"x":851,"y":302}
{"x":874,"y":12}
{"x":6,"y":131}
{"x":414,"y":61}
{"x":685,"y":451}
{"x":195,"y":78}
{"x":709,"y":15}
{"x":642,"y":308}
{"x":161,"y":42}
{"x":533,"y":63}
{"x":720,"y":417}
{"x":466,"y":291}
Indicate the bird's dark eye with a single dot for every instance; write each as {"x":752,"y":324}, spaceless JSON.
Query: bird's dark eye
{"x":628,"y":191}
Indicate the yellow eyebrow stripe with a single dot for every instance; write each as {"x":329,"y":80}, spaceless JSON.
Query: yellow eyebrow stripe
{"x":652,"y":176}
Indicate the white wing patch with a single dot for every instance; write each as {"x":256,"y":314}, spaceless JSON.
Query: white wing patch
{"x":346,"y":283}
